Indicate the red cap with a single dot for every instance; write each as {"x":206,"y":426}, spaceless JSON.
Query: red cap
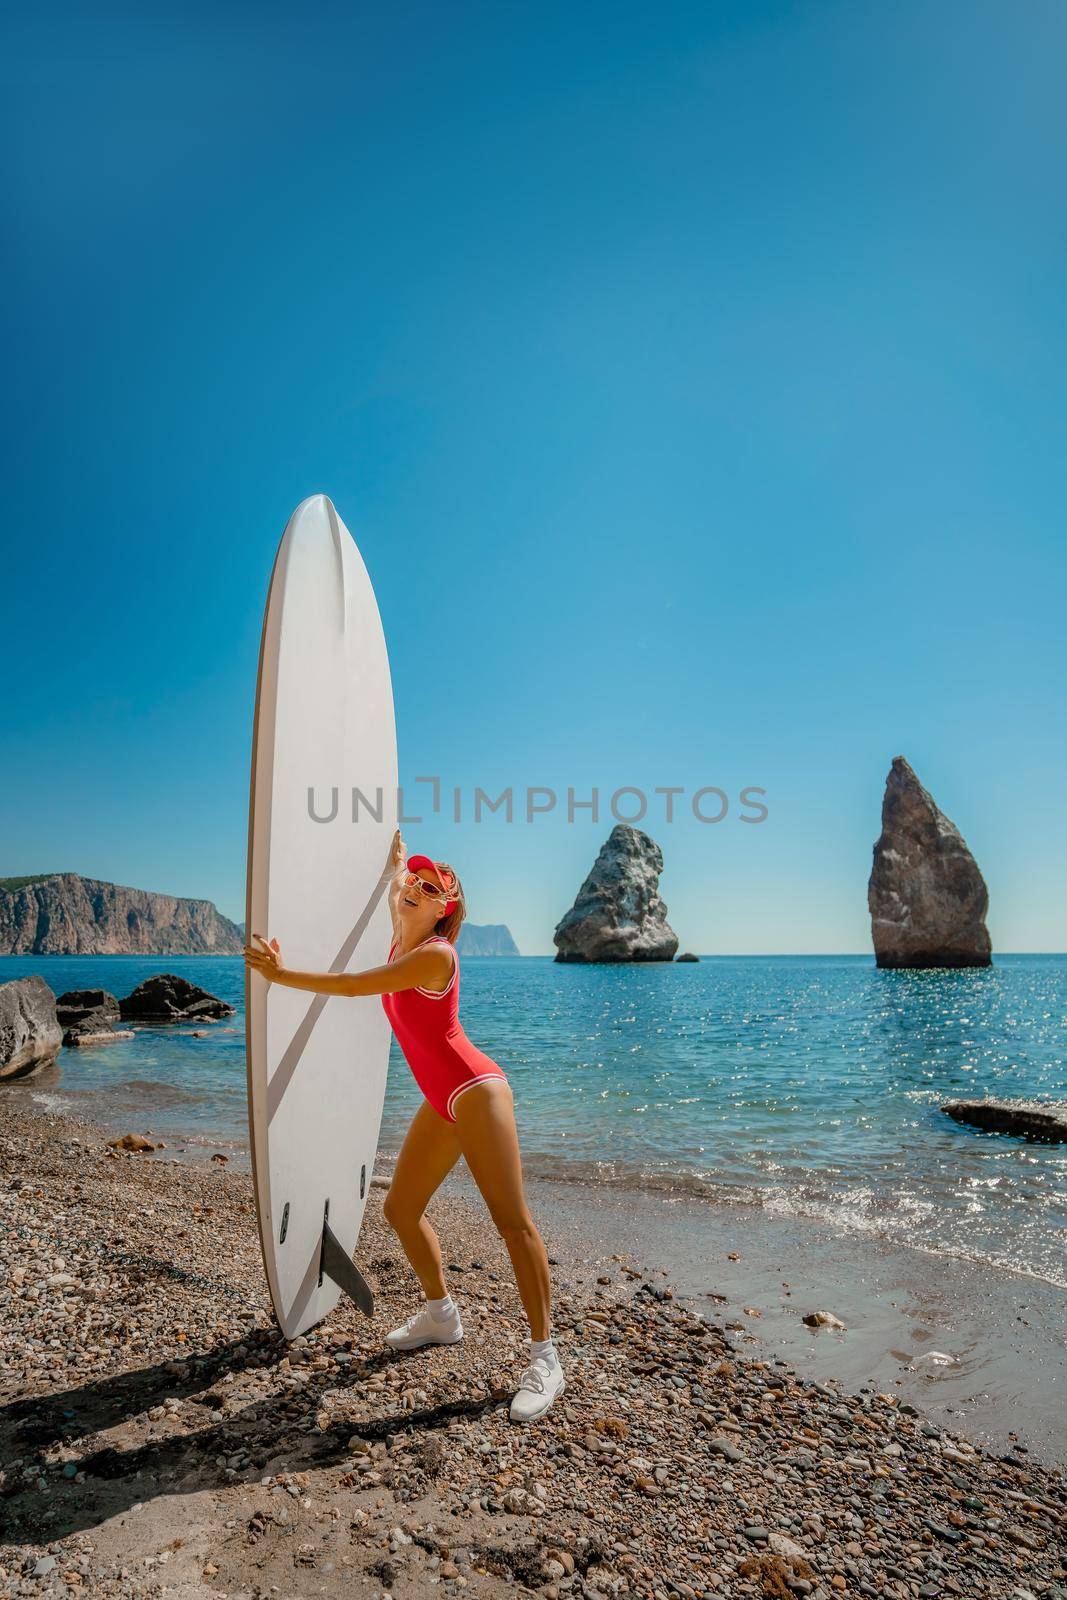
{"x":446,"y":875}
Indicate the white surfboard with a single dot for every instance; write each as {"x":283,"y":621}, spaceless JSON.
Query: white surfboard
{"x":318,"y":883}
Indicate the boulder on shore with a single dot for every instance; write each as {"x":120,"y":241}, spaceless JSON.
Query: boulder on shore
{"x":927,"y":898}
{"x":86,"y":1011}
{"x":1026,"y":1119}
{"x":30,"y":1034}
{"x":168,"y":998}
{"x":619,"y":915}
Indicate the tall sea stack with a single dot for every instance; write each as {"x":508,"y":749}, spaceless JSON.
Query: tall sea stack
{"x":927,"y":898}
{"x":619,"y":915}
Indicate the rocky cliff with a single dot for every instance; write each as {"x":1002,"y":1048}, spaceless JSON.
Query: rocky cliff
{"x":486,"y":939}
{"x":926,"y":896}
{"x":61,"y":913}
{"x":619,"y":915}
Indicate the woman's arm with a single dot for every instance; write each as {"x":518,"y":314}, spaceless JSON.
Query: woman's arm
{"x":396,"y":881}
{"x":429,"y":967}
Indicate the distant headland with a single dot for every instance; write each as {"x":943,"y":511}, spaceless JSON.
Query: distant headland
{"x":64,"y":914}
{"x":486,"y":939}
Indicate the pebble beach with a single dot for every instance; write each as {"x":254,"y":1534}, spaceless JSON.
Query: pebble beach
{"x":159,"y":1437}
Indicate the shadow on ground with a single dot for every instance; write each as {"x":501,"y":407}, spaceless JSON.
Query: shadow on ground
{"x":272,"y":1431}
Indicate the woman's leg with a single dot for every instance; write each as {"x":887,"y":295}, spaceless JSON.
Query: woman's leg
{"x":430,"y":1150}
{"x":485,"y":1123}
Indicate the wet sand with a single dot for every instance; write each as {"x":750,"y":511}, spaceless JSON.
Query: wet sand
{"x":159,"y":1437}
{"x":983,"y":1353}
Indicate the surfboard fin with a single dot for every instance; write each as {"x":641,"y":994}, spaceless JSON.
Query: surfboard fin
{"x":338,"y":1265}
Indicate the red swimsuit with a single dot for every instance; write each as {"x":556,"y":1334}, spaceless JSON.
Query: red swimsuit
{"x":428,"y":1030}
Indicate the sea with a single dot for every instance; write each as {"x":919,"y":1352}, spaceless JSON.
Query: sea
{"x":805,"y":1086}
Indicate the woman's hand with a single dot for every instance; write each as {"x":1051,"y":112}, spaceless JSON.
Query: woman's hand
{"x":267,"y":960}
{"x":397,"y":863}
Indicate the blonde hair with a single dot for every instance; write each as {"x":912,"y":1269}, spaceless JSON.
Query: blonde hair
{"x":450,"y":925}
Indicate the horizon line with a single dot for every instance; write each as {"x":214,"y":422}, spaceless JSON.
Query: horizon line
{"x":708,"y":955}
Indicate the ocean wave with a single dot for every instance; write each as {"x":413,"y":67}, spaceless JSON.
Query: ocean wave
{"x":52,"y":1102}
{"x":140,"y":1093}
{"x":864,"y":1210}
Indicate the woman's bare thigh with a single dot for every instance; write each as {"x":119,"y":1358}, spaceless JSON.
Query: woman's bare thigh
{"x":485,"y":1123}
{"x":430,"y":1150}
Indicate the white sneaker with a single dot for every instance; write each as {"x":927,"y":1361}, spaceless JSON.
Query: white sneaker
{"x":538,"y":1387}
{"x":425,"y":1328}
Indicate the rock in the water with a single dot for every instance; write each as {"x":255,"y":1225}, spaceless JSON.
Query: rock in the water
{"x":687,"y":955}
{"x":168,"y":998}
{"x":83,"y":1041}
{"x":1027,"y":1119}
{"x":927,"y":898}
{"x":86,"y":1011}
{"x":823,"y":1319}
{"x":30,"y":1034}
{"x":619,"y":915}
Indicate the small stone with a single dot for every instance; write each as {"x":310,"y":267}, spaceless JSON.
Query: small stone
{"x":131,"y":1141}
{"x":823,"y":1319}
{"x":785,"y":1547}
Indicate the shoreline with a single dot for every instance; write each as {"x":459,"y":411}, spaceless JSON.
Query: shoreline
{"x":983,"y":1356}
{"x":191,"y":1146}
{"x":160,"y":1436}
{"x":980,"y":1348}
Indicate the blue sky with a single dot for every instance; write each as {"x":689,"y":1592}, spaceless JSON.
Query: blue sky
{"x":709,"y":359}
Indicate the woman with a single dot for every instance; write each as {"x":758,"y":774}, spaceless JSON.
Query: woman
{"x":468,"y":1111}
